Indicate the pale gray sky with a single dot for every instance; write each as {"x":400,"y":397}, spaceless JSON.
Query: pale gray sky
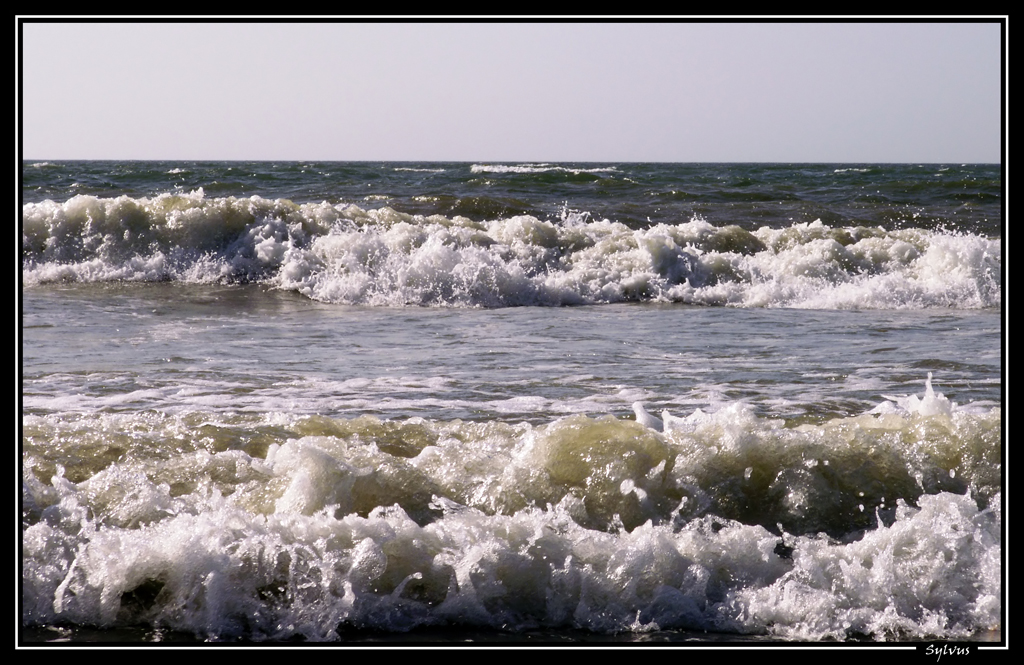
{"x":668,"y":91}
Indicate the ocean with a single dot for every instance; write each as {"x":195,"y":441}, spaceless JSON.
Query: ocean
{"x":504,"y":402}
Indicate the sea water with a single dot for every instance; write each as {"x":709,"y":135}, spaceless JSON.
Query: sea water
{"x":326,"y":401}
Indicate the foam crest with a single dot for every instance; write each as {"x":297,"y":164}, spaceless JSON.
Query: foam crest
{"x":229,"y":574}
{"x":718,"y":522}
{"x":536,"y":168}
{"x":348,"y":255}
{"x":931,"y":404}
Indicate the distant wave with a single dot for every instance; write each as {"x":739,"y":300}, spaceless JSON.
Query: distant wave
{"x":347,"y":254}
{"x":535,"y":168}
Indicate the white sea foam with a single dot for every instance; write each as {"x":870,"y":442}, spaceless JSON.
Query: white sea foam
{"x":714,"y":520}
{"x":536,"y":168}
{"x":344,"y":254}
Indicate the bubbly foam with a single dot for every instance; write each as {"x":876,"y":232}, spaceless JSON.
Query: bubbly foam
{"x":884,"y":525}
{"x":345,"y":254}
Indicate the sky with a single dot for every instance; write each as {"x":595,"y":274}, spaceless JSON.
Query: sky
{"x":673,"y":91}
